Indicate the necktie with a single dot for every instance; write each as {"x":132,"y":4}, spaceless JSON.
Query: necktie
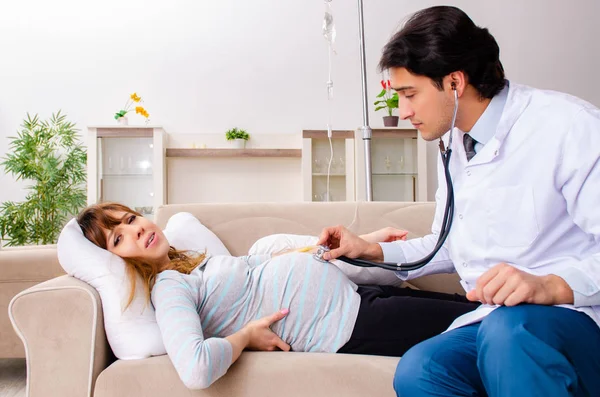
{"x":469,"y":143}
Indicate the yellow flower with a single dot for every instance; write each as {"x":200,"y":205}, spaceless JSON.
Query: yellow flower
{"x":130,"y":106}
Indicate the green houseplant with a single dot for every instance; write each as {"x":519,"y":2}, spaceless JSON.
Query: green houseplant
{"x":47,"y":153}
{"x":238,"y":137}
{"x":389,"y":101}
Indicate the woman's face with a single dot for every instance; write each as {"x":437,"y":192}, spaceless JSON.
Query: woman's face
{"x":137,"y":237}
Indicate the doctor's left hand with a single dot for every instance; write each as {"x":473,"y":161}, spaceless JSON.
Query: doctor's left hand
{"x":506,"y":285}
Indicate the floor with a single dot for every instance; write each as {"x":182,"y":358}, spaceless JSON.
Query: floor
{"x":12,"y":377}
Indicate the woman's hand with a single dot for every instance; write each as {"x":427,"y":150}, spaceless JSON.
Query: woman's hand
{"x":385,"y":235}
{"x":260,"y":335}
{"x":257,"y":335}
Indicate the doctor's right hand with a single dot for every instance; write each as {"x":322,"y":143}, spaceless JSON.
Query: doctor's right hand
{"x":341,"y":241}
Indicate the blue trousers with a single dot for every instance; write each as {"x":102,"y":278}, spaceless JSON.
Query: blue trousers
{"x":525,"y":350}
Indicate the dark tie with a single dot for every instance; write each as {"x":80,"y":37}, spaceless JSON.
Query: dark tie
{"x":469,"y":143}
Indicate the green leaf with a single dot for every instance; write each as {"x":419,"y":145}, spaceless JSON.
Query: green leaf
{"x":47,"y":155}
{"x":236,"y":133}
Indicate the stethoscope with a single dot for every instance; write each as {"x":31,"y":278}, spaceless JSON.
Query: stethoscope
{"x":446,"y":223}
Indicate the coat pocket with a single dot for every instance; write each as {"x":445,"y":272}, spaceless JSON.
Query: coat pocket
{"x":511,"y":216}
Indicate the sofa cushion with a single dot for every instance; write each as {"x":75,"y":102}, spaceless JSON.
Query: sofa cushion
{"x":265,"y":374}
{"x":132,"y":333}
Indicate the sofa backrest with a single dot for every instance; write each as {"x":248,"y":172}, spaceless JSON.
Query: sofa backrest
{"x":239,"y":225}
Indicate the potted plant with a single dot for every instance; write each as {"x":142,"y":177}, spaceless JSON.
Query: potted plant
{"x":238,"y":137}
{"x":48,"y":154}
{"x":121,"y":115}
{"x":387,"y":101}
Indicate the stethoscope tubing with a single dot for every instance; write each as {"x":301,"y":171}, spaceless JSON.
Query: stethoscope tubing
{"x":447,"y":219}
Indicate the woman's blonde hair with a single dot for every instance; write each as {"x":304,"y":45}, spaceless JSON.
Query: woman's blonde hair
{"x":96,"y":218}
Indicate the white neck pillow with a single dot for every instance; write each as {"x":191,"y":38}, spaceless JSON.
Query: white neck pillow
{"x":133,"y":333}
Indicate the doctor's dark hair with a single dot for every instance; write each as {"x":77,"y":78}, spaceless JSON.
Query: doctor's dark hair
{"x":440,"y":40}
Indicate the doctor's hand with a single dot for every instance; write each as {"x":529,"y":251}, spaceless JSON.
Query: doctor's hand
{"x":385,"y":235}
{"x":506,"y":285}
{"x":341,"y":241}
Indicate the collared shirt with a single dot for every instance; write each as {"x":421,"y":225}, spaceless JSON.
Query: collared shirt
{"x":485,"y":127}
{"x":528,"y":198}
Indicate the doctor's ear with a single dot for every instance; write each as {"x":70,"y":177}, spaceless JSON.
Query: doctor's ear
{"x":456,"y":81}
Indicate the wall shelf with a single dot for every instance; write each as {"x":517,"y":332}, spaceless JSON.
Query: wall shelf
{"x":394,"y":174}
{"x":194,"y":152}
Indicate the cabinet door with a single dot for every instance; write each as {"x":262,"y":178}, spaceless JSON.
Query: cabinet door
{"x":126,"y":165}
{"x":327,"y":177}
{"x":398,"y":166}
{"x":125,"y":172}
{"x":394,"y":165}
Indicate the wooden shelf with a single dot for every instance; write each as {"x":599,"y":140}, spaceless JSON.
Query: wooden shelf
{"x":194,"y":152}
{"x":389,"y":132}
{"x":335,"y":134}
{"x":124,"y":131}
{"x":394,"y":133}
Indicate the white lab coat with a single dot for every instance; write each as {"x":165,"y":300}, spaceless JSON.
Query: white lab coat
{"x":530,"y":198}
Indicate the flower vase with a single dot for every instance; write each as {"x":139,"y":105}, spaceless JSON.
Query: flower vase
{"x":239,"y":143}
{"x":390,"y":121}
{"x":123,"y":120}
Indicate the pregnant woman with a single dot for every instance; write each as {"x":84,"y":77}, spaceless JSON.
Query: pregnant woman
{"x":209,"y":309}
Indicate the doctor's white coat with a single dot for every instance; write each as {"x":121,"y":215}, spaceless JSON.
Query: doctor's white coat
{"x":530,"y":198}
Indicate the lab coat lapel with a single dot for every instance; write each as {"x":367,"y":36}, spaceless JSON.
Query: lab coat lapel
{"x":517,"y":101}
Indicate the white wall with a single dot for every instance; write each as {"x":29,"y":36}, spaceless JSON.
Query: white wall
{"x":205,"y":66}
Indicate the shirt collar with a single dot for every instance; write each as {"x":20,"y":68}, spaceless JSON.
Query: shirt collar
{"x":485,"y":128}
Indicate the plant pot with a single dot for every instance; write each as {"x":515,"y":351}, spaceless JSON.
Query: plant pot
{"x":238,"y":143}
{"x":123,"y":120}
{"x":390,"y":121}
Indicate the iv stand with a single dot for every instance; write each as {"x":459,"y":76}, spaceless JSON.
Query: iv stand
{"x":366,"y":130}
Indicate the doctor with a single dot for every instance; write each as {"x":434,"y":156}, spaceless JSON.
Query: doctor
{"x":526,"y":233}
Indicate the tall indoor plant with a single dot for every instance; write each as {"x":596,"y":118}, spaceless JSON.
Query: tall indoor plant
{"x":47,"y":153}
{"x":389,"y":101}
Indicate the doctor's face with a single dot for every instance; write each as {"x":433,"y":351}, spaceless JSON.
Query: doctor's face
{"x":422,"y":103}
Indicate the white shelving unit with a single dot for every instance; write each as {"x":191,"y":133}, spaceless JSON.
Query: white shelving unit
{"x":126,"y":164}
{"x":398,"y":163}
{"x":316,"y":153}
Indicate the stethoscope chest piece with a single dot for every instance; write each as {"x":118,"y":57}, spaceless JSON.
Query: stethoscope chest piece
{"x":321,"y":250}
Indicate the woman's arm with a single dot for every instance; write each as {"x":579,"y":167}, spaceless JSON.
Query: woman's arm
{"x":385,"y":235}
{"x":199,"y":361}
{"x":256,"y":260}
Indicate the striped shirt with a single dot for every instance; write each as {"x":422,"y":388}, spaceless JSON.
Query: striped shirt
{"x":196,"y":311}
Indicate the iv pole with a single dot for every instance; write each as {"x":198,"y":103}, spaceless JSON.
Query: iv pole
{"x":366,"y":130}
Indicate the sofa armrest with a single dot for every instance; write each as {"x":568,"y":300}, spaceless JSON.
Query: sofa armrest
{"x":61,"y":325}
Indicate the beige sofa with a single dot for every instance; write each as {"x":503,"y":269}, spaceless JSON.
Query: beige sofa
{"x":22,"y":268}
{"x":61,"y":325}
